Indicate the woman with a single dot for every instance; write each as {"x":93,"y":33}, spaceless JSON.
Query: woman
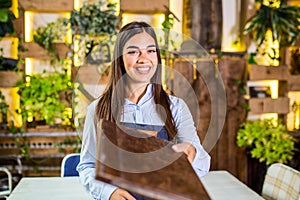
{"x":132,"y":97}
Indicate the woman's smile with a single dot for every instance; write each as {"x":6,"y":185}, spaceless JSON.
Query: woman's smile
{"x":143,"y":69}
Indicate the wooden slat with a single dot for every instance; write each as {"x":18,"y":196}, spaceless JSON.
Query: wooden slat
{"x":37,"y":51}
{"x":143,"y":6}
{"x":39,"y":173}
{"x":261,"y":72}
{"x":47,"y":151}
{"x":47,"y":6}
{"x":9,"y":78}
{"x":268,"y":105}
{"x":19,"y":25}
{"x":39,"y":151}
{"x":38,"y":139}
{"x":9,"y":151}
{"x":294,"y":83}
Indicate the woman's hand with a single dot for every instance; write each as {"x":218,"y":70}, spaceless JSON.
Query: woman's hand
{"x":187,"y":148}
{"x":120,"y":194}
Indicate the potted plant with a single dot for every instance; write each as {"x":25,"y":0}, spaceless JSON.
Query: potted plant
{"x":97,"y":19}
{"x":278,"y":18}
{"x":94,"y":25}
{"x":283,"y":21}
{"x":41,"y":98}
{"x":267,"y":142}
{"x":47,"y":35}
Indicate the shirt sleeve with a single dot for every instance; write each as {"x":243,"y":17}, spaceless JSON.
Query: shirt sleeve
{"x":86,"y":166}
{"x":187,"y":133}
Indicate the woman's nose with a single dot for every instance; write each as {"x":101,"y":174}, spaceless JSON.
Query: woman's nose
{"x":143,"y":57}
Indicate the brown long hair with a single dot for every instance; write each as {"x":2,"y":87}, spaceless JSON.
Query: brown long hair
{"x":111,"y":102}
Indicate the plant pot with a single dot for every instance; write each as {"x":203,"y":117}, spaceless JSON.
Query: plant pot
{"x":35,"y":123}
{"x":8,"y":64}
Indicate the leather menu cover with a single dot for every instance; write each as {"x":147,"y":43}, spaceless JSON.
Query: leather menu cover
{"x":144,"y":165}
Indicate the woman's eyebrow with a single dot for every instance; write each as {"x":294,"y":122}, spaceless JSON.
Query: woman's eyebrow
{"x":153,"y":45}
{"x":135,"y":47}
{"x":132,"y":47}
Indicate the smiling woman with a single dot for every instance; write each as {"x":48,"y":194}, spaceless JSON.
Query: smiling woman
{"x":134,"y":97}
{"x":140,"y":61}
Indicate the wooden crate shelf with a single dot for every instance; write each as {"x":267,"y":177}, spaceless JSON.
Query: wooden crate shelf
{"x":41,"y":172}
{"x":294,"y":83}
{"x":40,"y":143}
{"x":47,"y":6}
{"x":268,"y":105}
{"x":261,"y":72}
{"x":144,"y":6}
{"x":9,"y":78}
{"x":37,"y":51}
{"x":46,"y":151}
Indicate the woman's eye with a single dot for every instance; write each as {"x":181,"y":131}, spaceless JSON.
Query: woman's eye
{"x":132,"y":52}
{"x":152,"y":51}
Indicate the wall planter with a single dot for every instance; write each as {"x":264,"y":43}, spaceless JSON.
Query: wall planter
{"x":143,"y":6}
{"x":294,"y":83}
{"x":262,"y":72}
{"x":9,"y":78}
{"x":37,"y":51}
{"x":41,"y":98}
{"x":268,"y":105}
{"x":44,"y":5}
{"x":40,"y":153}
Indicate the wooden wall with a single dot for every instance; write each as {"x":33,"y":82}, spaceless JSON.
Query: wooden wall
{"x":225,"y":153}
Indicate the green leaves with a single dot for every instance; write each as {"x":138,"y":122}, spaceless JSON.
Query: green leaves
{"x":6,"y":18}
{"x":92,"y":20}
{"x":267,"y":142}
{"x":41,"y":97}
{"x":48,"y":34}
{"x":284,"y":23}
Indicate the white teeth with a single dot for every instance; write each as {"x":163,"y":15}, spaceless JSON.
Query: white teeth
{"x":143,"y":69}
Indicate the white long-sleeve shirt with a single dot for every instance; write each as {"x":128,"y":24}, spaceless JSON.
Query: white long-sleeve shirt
{"x":142,"y":113}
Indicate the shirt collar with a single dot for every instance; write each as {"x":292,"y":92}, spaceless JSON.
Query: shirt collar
{"x":148,"y":95}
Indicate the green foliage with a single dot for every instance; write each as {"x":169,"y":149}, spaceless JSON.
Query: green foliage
{"x":266,"y":142}
{"x":47,"y":35}
{"x":40,"y":97}
{"x":6,"y":18}
{"x":3,"y":109}
{"x":95,"y":19}
{"x":284,"y":23}
{"x":167,"y":25}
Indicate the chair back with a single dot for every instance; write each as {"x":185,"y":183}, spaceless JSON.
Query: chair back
{"x":6,"y":188}
{"x":281,"y":182}
{"x":69,"y":164}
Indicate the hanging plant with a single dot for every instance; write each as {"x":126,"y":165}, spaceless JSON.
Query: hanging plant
{"x":95,"y":19}
{"x":283,"y":21}
{"x":47,"y":35}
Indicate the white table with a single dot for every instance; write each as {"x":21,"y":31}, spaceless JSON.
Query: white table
{"x":221,"y":185}
{"x":48,"y":188}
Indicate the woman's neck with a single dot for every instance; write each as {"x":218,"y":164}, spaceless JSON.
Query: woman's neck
{"x":136,"y":92}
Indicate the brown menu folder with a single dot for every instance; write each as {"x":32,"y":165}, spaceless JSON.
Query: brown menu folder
{"x":144,"y":164}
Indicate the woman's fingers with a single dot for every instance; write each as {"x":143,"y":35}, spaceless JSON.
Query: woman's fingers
{"x":187,"y":148}
{"x":120,"y":194}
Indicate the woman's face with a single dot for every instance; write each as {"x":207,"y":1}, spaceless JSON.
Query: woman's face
{"x":140,"y":58}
